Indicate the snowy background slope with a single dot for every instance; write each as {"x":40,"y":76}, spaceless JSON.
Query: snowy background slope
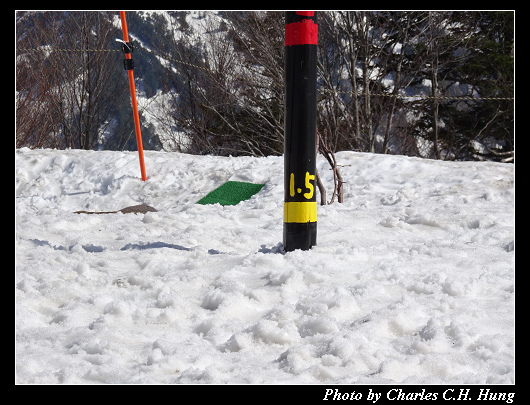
{"x":412,"y":280}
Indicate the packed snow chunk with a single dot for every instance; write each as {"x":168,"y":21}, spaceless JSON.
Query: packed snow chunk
{"x":269,"y":331}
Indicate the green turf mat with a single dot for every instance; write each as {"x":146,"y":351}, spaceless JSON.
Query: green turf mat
{"x":231,"y":193}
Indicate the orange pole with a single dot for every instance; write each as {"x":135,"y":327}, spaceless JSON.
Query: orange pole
{"x":133,"y":99}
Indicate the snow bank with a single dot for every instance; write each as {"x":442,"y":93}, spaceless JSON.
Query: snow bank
{"x":412,"y":280}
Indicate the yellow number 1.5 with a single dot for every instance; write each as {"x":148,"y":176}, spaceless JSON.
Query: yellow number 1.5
{"x":309,"y":186}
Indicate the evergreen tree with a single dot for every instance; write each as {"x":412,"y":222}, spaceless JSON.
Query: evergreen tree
{"x":489,"y":71}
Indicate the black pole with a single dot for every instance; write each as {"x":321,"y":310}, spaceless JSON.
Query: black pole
{"x":300,"y":207}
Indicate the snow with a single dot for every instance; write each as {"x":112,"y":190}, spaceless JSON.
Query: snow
{"x":412,"y":280}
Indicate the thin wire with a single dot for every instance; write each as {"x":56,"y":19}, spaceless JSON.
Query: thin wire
{"x":421,"y":97}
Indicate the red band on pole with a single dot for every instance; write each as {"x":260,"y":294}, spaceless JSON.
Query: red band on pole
{"x":306,"y":13}
{"x":304,"y":32}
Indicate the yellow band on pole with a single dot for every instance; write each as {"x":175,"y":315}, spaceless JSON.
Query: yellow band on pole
{"x":301,"y":212}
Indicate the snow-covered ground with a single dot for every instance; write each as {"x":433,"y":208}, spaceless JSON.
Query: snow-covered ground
{"x":412,"y":280}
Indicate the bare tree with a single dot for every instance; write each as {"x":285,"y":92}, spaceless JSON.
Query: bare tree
{"x":353,"y":63}
{"x":229,"y":84}
{"x":338,"y":183}
{"x":66,"y":74}
{"x":36,"y":124}
{"x":442,"y":46}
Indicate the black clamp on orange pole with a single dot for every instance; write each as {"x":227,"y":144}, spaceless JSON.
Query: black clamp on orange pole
{"x":127,"y":49}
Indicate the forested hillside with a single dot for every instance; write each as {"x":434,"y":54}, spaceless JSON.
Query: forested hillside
{"x":429,"y":84}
